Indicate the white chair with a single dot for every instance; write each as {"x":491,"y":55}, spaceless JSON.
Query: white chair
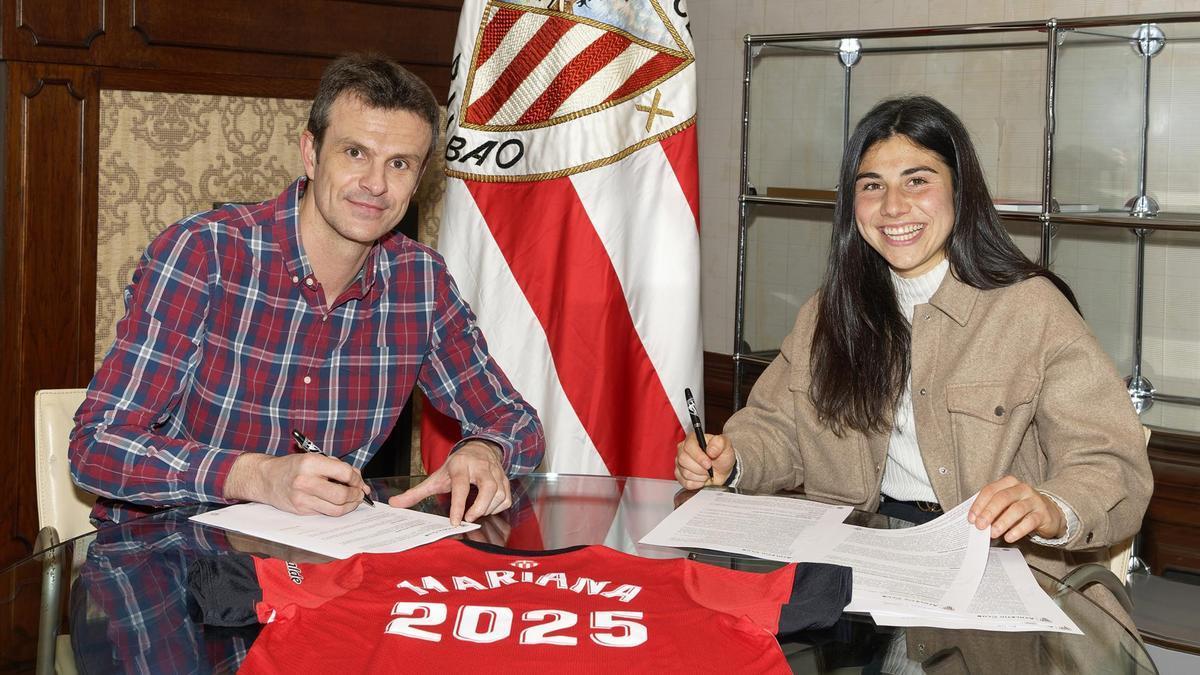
{"x":61,"y":505}
{"x":63,"y":511}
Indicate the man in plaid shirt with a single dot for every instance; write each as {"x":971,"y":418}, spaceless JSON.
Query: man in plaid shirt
{"x":303,"y":312}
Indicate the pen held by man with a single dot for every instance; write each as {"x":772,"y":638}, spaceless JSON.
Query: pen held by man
{"x":306,"y":444}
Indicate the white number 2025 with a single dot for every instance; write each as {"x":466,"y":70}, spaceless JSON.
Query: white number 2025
{"x":476,"y":623}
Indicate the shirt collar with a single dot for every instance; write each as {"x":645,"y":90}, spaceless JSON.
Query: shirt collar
{"x":287,"y":231}
{"x":956,"y":299}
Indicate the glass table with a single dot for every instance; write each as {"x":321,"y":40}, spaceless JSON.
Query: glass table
{"x":125,"y":607}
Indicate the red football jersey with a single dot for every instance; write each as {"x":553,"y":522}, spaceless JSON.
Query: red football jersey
{"x":453,"y":607}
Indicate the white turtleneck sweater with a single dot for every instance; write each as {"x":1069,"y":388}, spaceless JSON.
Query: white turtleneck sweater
{"x":904,"y":476}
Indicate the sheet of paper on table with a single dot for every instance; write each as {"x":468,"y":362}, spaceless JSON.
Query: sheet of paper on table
{"x":772,"y":528}
{"x":1008,"y":599}
{"x":378,"y":529}
{"x":927,"y":575}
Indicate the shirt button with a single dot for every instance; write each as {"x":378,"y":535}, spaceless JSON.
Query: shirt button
{"x":307,"y":379}
{"x":922,"y":391}
{"x":295,"y":279}
{"x":943,"y":470}
{"x":324,"y":317}
{"x":309,"y":281}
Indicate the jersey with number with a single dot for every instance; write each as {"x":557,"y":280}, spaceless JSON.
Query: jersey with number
{"x":454,"y":607}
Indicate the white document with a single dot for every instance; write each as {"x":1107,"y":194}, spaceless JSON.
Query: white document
{"x":932,"y":566}
{"x":367,"y":529}
{"x":936,"y":565}
{"x":773,"y":528}
{"x":1008,"y":599}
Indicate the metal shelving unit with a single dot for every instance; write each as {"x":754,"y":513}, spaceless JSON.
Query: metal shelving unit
{"x":1151,"y":36}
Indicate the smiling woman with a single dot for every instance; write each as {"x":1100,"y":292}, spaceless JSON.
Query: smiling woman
{"x":937,"y":362}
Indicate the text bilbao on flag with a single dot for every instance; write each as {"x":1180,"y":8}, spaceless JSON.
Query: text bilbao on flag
{"x":571,"y":221}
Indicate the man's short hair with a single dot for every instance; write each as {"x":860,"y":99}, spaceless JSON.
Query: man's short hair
{"x":380,"y":83}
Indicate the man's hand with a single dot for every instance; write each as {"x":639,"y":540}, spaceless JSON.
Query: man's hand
{"x":1014,"y":509}
{"x":475,"y":463}
{"x":691,"y":463}
{"x":298,"y":483}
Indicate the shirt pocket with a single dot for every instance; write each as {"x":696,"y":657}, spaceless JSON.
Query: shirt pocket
{"x":988,"y":421}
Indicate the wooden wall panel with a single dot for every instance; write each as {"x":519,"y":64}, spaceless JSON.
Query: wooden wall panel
{"x":268,"y":38}
{"x":56,"y":25}
{"x":48,"y":257}
{"x":1171,"y":529}
{"x":226,"y":24}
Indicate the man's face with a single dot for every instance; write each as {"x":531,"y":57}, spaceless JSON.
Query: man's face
{"x":365,"y":173}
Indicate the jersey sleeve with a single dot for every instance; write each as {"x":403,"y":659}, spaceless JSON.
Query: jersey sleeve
{"x":797,"y":596}
{"x":237,"y":590}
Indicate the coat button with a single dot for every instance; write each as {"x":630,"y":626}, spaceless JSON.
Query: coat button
{"x":928,"y":317}
{"x":943,"y":470}
{"x":922,"y":391}
{"x":999,"y":411}
{"x":1089,"y":537}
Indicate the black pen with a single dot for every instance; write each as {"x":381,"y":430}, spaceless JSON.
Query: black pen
{"x":308,"y":446}
{"x":691,"y":405}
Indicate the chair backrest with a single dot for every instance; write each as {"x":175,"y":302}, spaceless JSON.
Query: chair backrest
{"x":61,"y":504}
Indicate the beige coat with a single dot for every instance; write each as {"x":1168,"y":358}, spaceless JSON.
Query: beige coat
{"x":1005,"y":381}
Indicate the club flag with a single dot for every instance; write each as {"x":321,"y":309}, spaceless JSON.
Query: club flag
{"x":570,"y":221}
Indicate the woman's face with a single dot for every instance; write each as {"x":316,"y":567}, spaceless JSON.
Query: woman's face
{"x":904,"y":204}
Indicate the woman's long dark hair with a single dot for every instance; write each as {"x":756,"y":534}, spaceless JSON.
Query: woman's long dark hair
{"x":860,"y":349}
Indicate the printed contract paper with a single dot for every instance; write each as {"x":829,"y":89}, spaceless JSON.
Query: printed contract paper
{"x":381,"y":529}
{"x":928,"y":575}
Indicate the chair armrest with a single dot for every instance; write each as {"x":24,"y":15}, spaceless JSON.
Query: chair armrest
{"x":1092,"y":573}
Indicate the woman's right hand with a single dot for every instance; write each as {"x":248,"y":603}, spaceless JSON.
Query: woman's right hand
{"x":692,"y":463}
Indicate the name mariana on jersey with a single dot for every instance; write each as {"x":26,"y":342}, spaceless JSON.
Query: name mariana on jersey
{"x":497,"y":578}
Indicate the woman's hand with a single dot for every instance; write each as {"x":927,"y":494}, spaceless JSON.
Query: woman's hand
{"x":692,"y":463}
{"x":1014,"y":509}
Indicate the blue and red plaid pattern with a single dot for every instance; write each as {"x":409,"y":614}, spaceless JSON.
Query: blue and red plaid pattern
{"x":227,"y":345}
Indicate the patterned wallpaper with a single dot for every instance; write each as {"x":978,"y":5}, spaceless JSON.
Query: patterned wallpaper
{"x":165,"y":156}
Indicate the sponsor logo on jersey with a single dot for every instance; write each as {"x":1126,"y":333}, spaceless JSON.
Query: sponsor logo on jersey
{"x":294,"y":573}
{"x":524,"y":564}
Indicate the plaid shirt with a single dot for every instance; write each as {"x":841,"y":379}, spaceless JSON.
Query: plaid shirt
{"x":227,"y":345}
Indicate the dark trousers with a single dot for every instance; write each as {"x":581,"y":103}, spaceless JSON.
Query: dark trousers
{"x":906,"y":511}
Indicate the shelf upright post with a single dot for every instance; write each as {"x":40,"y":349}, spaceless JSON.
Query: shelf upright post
{"x":849,"y":52}
{"x":749,"y":51}
{"x":1053,"y":39}
{"x":1147,"y":42}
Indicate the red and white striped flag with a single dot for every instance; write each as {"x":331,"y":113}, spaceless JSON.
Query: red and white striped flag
{"x":570,"y":220}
